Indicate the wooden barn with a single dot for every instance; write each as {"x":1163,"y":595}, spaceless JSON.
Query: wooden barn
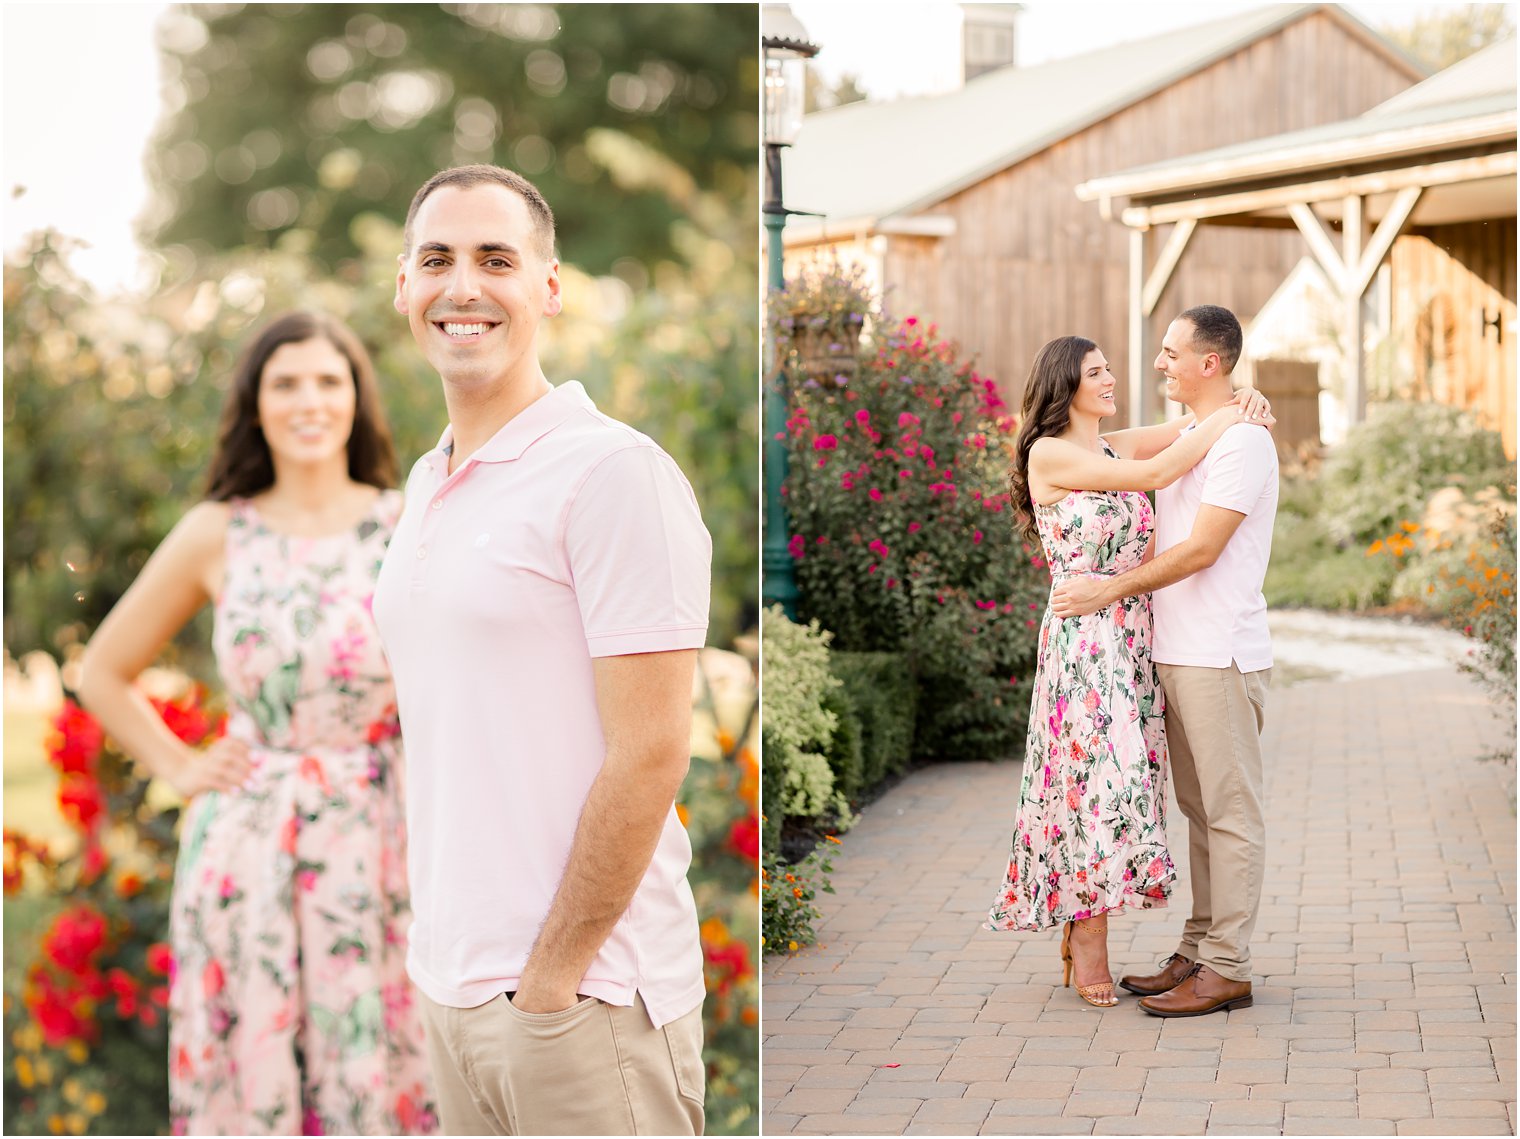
{"x":962,"y":205}
{"x":1407,"y":212}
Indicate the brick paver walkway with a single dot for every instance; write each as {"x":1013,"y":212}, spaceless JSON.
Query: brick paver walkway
{"x":1384,"y":957}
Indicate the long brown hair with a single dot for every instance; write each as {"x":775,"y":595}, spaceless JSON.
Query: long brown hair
{"x":1052,"y":385}
{"x":242,"y":465}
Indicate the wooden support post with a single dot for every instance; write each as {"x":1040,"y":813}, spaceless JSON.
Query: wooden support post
{"x":1351,"y":310}
{"x":1166,"y":263}
{"x":1139,"y":364}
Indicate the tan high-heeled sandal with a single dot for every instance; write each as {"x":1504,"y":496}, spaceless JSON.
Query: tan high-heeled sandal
{"x":1100,"y":994}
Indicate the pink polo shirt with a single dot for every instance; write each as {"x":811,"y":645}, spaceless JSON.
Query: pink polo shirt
{"x":567,"y":536}
{"x":1219,"y":614}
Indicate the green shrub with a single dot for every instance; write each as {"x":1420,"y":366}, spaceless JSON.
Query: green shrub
{"x":884,"y":697}
{"x":798,"y":727}
{"x":1390,"y":465}
{"x":846,"y":749}
{"x":903,"y":536}
{"x":787,"y":891}
{"x":1332,"y":524}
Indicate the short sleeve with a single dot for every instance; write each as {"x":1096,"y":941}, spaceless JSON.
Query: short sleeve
{"x":639,"y":556}
{"x":1240,"y":466}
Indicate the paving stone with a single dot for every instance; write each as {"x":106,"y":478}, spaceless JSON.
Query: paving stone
{"x":804,"y":1101}
{"x":964,"y":1111}
{"x":1338,"y":1127}
{"x":848,"y":1124}
{"x":1454,"y":1127}
{"x":1393,"y":1105}
{"x":1249,"y":1114}
{"x":1036,"y":1125}
{"x":1098,"y":1103}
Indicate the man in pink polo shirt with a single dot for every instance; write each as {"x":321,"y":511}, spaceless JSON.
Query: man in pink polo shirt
{"x":1214,"y":655}
{"x":541,"y":604}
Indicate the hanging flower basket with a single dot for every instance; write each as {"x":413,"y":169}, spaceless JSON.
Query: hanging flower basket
{"x":818,"y":320}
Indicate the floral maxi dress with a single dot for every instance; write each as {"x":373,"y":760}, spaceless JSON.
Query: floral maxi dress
{"x":1090,"y":835}
{"x":290,"y":1009}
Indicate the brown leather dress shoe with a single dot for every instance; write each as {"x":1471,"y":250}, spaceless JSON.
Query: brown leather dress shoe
{"x":1201,"y":992}
{"x":1173,"y":970}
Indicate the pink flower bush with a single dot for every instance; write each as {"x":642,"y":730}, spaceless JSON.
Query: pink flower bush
{"x":921,"y":555}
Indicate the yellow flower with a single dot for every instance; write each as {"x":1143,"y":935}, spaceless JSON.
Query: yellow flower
{"x":72,"y":1090}
{"x":28,"y":1039}
{"x":94,"y":1103}
{"x":77,"y":1123}
{"x":24,"y":1074}
{"x":792,"y":945}
{"x":77,"y":1051}
{"x":44,"y":1071}
{"x":55,"y":1124}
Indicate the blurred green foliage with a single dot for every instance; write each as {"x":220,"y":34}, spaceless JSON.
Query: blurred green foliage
{"x":110,"y":406}
{"x":1381,"y":479}
{"x":596,"y":103}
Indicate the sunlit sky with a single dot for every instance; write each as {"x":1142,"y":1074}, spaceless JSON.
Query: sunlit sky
{"x":899,"y":48}
{"x":81,"y":92}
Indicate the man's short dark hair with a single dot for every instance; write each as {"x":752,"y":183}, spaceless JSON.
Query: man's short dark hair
{"x":1216,"y":330}
{"x":482,"y":174}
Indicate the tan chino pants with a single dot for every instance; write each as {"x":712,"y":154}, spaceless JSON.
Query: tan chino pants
{"x":1214,"y":718}
{"x":591,"y":1069}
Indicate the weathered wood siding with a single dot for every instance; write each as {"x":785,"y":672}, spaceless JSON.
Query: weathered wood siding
{"x":1029,"y":261}
{"x":1452,"y":285}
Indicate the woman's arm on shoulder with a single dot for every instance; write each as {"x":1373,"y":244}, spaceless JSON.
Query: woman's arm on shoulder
{"x":1145,"y":442}
{"x":183,"y":574}
{"x":1065,"y":466}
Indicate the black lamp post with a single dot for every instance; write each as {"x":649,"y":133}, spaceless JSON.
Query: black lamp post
{"x":787,"y":50}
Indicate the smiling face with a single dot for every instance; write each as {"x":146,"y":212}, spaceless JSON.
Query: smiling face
{"x":1095,"y":387}
{"x":306,"y":403}
{"x":1188,"y":371}
{"x":475,"y":286}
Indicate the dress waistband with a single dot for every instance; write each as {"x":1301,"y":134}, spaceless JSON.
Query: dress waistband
{"x":1062,"y":575}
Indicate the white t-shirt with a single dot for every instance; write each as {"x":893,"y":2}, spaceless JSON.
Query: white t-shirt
{"x":1219,"y":614}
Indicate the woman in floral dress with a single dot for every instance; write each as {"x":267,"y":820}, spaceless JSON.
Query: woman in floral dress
{"x":1090,"y":836}
{"x":290,"y":1011}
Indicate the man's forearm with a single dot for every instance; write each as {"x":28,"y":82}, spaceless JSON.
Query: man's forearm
{"x":1182,"y":560}
{"x":614,"y":843}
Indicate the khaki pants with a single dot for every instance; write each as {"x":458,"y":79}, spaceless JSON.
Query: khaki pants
{"x":1214,"y":719}
{"x":592,"y":1069}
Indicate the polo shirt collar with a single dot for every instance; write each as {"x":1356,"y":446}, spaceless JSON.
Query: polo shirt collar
{"x":528,"y":426}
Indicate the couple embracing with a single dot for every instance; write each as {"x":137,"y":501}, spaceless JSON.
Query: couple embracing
{"x":1114,"y":694}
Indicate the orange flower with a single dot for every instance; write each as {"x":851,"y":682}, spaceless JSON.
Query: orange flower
{"x":834,"y":840}
{"x":725,"y":740}
{"x":683,"y":814}
{"x":129,"y":885}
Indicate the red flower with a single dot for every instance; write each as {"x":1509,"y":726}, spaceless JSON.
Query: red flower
{"x":55,"y":1013}
{"x":825,"y":443}
{"x":94,"y":863}
{"x":744,"y":838}
{"x":796,"y":545}
{"x":75,"y":742}
{"x":187,"y":718}
{"x":727,"y":965}
{"x":74,"y":939}
{"x":80,"y":800}
{"x":160,"y":959}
